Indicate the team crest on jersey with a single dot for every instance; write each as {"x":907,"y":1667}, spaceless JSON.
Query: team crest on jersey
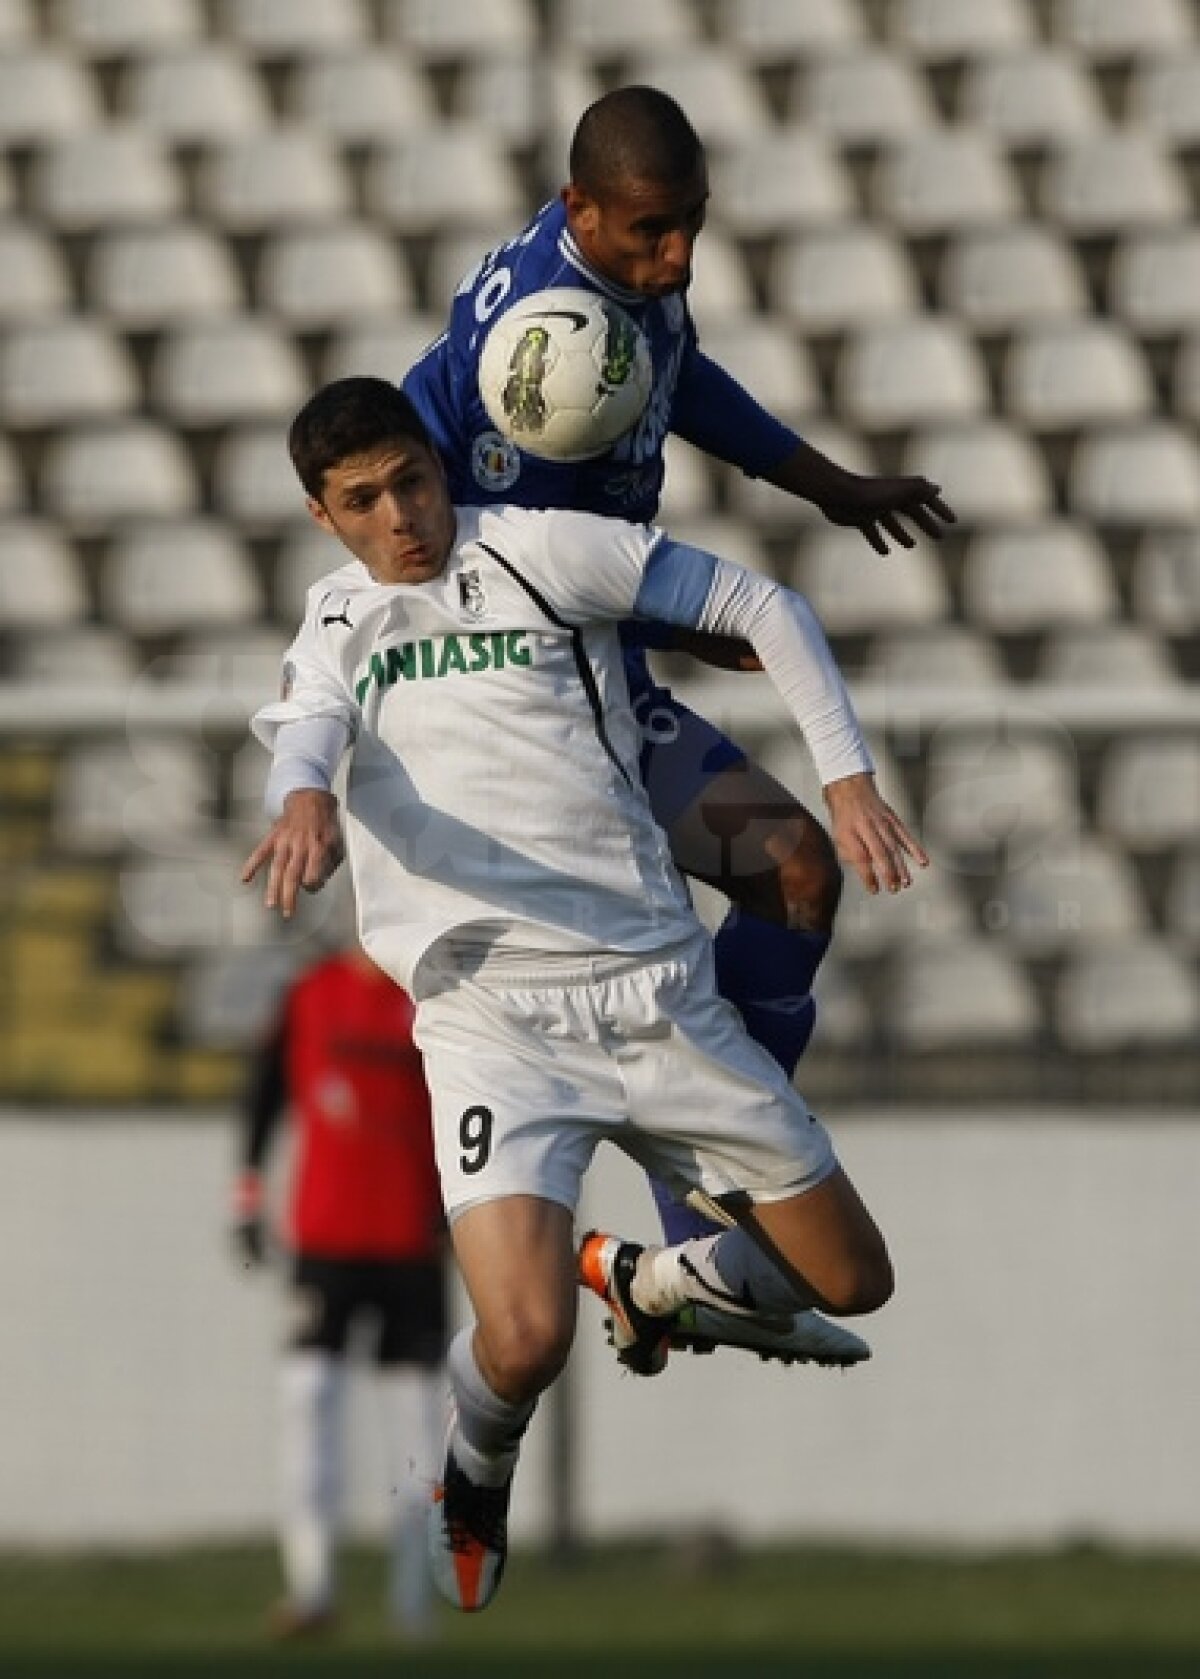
{"x":470,"y":594}
{"x":495,"y":462}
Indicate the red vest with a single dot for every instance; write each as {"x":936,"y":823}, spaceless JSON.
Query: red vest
{"x":364,"y":1183}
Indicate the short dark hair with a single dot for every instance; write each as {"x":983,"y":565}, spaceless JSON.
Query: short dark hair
{"x":633,"y":133}
{"x":345,"y":418}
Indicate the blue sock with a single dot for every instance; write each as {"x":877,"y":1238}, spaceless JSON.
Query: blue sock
{"x":766,"y":972}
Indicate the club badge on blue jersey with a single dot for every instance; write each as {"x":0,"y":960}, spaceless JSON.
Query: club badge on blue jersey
{"x":495,"y":462}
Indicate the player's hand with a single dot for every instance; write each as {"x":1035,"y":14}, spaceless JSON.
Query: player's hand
{"x":250,"y":1241}
{"x":869,"y":837}
{"x":883,"y":508}
{"x":249,"y":1220}
{"x":303,"y":849}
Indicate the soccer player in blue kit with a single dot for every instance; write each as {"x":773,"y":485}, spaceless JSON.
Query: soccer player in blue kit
{"x":625,"y":226}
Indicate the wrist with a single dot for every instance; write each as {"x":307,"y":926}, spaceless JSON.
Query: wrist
{"x":249,"y":1195}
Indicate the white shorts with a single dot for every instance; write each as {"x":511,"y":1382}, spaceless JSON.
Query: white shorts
{"x":528,"y":1077}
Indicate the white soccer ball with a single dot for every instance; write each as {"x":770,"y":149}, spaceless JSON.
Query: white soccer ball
{"x":564,"y":373}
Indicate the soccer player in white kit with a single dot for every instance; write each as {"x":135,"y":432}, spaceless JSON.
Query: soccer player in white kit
{"x":509,"y":875}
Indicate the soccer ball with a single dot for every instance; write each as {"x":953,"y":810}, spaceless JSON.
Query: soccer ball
{"x":564,"y":373}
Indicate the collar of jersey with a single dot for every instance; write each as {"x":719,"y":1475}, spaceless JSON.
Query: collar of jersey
{"x":569,"y":249}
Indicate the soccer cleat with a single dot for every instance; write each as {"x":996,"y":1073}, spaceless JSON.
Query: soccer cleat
{"x":606,"y":1266}
{"x":468,"y":1538}
{"x":293,"y":1623}
{"x":807,"y":1338}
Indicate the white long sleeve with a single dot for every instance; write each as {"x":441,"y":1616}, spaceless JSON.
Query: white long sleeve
{"x":306,"y":754}
{"x":784,"y":632}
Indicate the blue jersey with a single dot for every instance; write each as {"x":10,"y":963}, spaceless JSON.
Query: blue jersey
{"x":691,"y":395}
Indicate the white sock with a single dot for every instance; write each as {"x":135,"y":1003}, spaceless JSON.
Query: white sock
{"x":411,"y":1400}
{"x":311,"y":1387}
{"x":486,"y":1435}
{"x":729,"y":1271}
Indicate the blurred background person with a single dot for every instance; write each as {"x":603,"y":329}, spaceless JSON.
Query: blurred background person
{"x":364,"y":1229}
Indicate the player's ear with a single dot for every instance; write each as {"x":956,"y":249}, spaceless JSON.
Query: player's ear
{"x":582,"y":210}
{"x":318,"y":512}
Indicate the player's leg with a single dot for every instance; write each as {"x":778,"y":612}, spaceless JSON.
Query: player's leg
{"x":411,"y":1381}
{"x":312,"y":1382}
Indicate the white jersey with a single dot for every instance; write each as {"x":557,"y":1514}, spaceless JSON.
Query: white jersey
{"x":494,"y":784}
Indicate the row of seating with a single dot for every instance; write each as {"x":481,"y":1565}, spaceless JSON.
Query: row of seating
{"x":764,"y":31}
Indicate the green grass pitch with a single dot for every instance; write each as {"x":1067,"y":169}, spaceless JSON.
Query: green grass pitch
{"x":620,"y":1614}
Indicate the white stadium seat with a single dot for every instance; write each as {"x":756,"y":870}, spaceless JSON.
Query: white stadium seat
{"x":8,"y":193}
{"x":1108,"y":30}
{"x":1181,"y":908}
{"x":445,"y":176}
{"x":1032,"y":98}
{"x":827,"y":280}
{"x":192,"y":96}
{"x":687,"y":489}
{"x":1164,"y":97}
{"x":154,"y":276}
{"x":864,"y":96}
{"x":996,"y":278}
{"x":168,"y":907}
{"x":254,"y":482}
{"x":1147,"y":474}
{"x":1112,"y":658}
{"x":1134,"y":994}
{"x":608,"y":29}
{"x":519,"y":96}
{"x":1021,"y":580}
{"x":721,"y":286}
{"x":455,"y":254}
{"x":443,"y":30}
{"x":940,"y":31}
{"x":287,"y":28}
{"x":313,"y":278}
{"x":44,"y":95}
{"x":934,"y":655}
{"x":730,"y":538}
{"x":768,"y":360}
{"x":991,"y":471}
{"x":169,"y":575}
{"x":931,"y":910}
{"x":843,"y":1018}
{"x":1166,"y":581}
{"x":306,"y":554}
{"x":780,"y":31}
{"x":17,"y":22}
{"x":261,"y":181}
{"x":121,"y":174}
{"x":960,"y":992}
{"x":1113,"y":181}
{"x":34,"y":279}
{"x":1155,"y":280}
{"x":1083,"y":893}
{"x":98,"y":476}
{"x":208,"y":373}
{"x":780,"y":181}
{"x":54,"y":372}
{"x":148,"y":791}
{"x":853,"y":591}
{"x":359,"y":96}
{"x":1148,"y":792}
{"x":774,"y":510}
{"x":1059,"y":375}
{"x":85,"y":655}
{"x":41,"y":582}
{"x":11,"y":486}
{"x":942,"y":180}
{"x":239,"y":659}
{"x":386,"y":348}
{"x":123,"y":28}
{"x":721,"y":95}
{"x":1185,"y":384}
{"x":897,"y":374}
{"x":1000,"y":788}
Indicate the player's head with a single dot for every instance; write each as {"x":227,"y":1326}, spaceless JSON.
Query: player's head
{"x":638,"y":190}
{"x":374,"y":479}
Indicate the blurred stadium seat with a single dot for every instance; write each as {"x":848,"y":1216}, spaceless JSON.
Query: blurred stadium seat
{"x":1028,"y":579}
{"x":940,"y":31}
{"x":438,"y":31}
{"x":852,"y":593}
{"x":259,"y":181}
{"x":229,"y":997}
{"x":359,"y":96}
{"x":1108,"y":30}
{"x":1164,"y":98}
{"x":149,"y":793}
{"x":443,"y":176}
{"x":958,"y":992}
{"x":1082,"y":894}
{"x":12,"y":488}
{"x":291,"y":28}
{"x":148,"y":277}
{"x":1106,"y":656}
{"x":769,"y":360}
{"x":41,"y":582}
{"x":944,"y":179}
{"x":215,"y":372}
{"x":107,"y":29}
{"x":721,"y":286}
{"x":1155,"y":283}
{"x":172,"y":907}
{"x":306,"y":553}
{"x":34,"y":279}
{"x":833,"y":279}
{"x":1030,"y":99}
{"x":769,"y":32}
{"x":95,"y":477}
{"x":997,"y":472}
{"x":1002,"y":787}
{"x":87,"y":181}
{"x":725,"y":99}
{"x":253,"y":483}
{"x":933,"y":909}
{"x":1112,"y":181}
{"x":893,"y":375}
{"x":192,"y":96}
{"x":861,"y":97}
{"x":45,"y":94}
{"x":1166,"y":581}
{"x":1148,"y":791}
{"x":1133,"y":994}
{"x":386,"y":348}
{"x":948,"y":656}
{"x":524,"y":99}
{"x":996,"y":278}
{"x":168,"y":575}
{"x":1147,"y":474}
{"x":89,"y":656}
{"x":314,"y":278}
{"x":1181,"y":910}
{"x":780,"y":181}
{"x":1059,"y":375}
{"x":57,"y":371}
{"x":610,"y":29}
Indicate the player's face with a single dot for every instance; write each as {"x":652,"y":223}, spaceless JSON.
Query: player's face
{"x":641,"y":235}
{"x":392,"y":510}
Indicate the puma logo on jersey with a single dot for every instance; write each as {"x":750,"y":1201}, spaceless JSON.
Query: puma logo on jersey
{"x":444,"y":655}
{"x":342,"y":617}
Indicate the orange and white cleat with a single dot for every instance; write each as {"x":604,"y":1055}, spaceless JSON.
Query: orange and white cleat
{"x":468,"y":1538}
{"x":606,"y":1266}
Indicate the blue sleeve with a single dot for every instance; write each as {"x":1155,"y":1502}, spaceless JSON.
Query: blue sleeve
{"x":676,"y":584}
{"x":721,"y":417}
{"x":433,"y":385}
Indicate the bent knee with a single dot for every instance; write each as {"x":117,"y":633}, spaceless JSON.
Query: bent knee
{"x":863,"y":1285}
{"x":526,"y":1352}
{"x":810,"y":879}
